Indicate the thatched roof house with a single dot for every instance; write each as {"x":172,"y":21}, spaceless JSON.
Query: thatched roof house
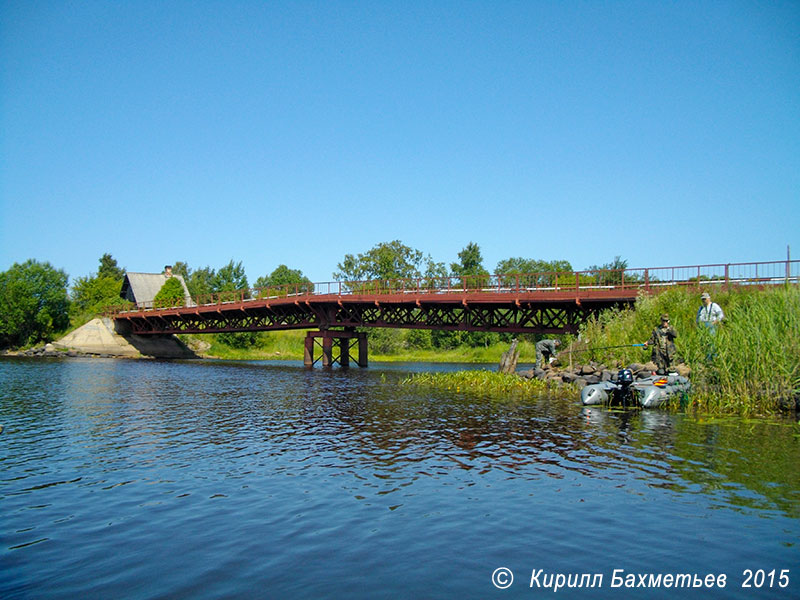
{"x":141,"y":288}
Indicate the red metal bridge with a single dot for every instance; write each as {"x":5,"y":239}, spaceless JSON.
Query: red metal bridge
{"x":529,"y":303}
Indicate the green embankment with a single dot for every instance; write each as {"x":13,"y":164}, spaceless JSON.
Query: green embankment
{"x":288,"y":345}
{"x":273,"y":345}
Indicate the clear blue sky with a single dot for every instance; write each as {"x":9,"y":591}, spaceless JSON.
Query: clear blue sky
{"x":296,"y":132}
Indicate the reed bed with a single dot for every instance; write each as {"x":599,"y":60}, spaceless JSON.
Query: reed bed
{"x":488,"y":384}
{"x":751,"y":365}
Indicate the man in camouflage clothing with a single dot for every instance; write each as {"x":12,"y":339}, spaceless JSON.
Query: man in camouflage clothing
{"x":545,"y":349}
{"x":662,"y":341}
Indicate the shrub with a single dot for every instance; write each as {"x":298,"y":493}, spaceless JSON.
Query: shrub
{"x":171,"y":294}
{"x":242,"y":339}
{"x":419,"y":339}
{"x":92,"y":295}
{"x":383,"y":340}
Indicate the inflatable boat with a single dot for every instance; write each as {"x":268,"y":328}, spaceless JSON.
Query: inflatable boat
{"x":649,"y":392}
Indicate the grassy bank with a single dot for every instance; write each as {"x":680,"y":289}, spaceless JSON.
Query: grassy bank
{"x":483,"y":354}
{"x":288,"y":345}
{"x":751,"y":365}
{"x":273,"y":345}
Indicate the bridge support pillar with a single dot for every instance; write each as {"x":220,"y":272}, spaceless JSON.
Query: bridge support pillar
{"x":331,"y":341}
{"x":327,"y":351}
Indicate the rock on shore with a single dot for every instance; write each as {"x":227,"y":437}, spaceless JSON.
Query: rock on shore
{"x":592,"y":372}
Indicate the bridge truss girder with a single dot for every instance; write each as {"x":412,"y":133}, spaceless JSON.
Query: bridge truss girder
{"x":509,"y":317}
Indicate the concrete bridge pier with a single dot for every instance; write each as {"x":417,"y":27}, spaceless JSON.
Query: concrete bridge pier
{"x":329,"y":340}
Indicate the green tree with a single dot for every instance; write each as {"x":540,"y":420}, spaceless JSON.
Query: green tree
{"x":201,"y":282}
{"x":385,"y":261}
{"x":33,"y":303}
{"x":536,"y":272}
{"x":470,"y":268}
{"x":419,"y":338}
{"x":93,"y":294}
{"x":229,"y":278}
{"x":385,"y":340}
{"x":435,"y":270}
{"x":284,"y":279}
{"x":611,"y":273}
{"x":521,"y":265}
{"x":182,"y":268}
{"x":446,"y":340}
{"x":109,"y":268}
{"x":470,"y":262}
{"x":242,"y":339}
{"x":171,"y":294}
{"x":198,"y":282}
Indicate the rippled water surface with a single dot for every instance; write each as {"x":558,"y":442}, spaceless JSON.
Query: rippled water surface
{"x":139,"y":479}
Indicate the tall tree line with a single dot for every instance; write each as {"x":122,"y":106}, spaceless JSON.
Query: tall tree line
{"x":36,"y":302}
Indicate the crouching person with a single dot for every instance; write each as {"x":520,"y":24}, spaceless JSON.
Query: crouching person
{"x":546,"y":352}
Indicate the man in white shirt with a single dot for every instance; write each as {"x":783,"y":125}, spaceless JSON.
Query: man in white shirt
{"x":709,"y":314}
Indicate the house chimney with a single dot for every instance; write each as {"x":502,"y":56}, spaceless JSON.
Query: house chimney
{"x":168,"y":270}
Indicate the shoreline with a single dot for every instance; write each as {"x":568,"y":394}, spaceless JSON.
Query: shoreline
{"x":708,"y":400}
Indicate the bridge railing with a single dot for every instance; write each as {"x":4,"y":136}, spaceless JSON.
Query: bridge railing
{"x":581,"y":283}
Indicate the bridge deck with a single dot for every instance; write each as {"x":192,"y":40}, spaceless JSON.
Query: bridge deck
{"x":539,"y":302}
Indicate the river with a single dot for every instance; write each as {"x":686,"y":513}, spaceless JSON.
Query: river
{"x":201,"y":479}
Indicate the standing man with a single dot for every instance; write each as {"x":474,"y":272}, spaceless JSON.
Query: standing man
{"x":663,"y":342}
{"x":546,"y":349}
{"x":709,"y":314}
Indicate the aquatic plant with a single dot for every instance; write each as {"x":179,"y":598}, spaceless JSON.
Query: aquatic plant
{"x":488,"y":384}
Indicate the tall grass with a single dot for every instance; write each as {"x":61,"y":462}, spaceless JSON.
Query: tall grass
{"x":465,"y":354}
{"x":289,"y":345}
{"x":750,"y":366}
{"x":269,"y":345}
{"x":758,"y":349}
{"x":489,"y":384}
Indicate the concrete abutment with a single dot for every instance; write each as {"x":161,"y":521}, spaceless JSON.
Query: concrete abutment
{"x":113,"y":338}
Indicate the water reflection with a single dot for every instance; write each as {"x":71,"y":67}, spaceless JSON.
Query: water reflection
{"x":305,"y":457}
{"x":119,"y":414}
